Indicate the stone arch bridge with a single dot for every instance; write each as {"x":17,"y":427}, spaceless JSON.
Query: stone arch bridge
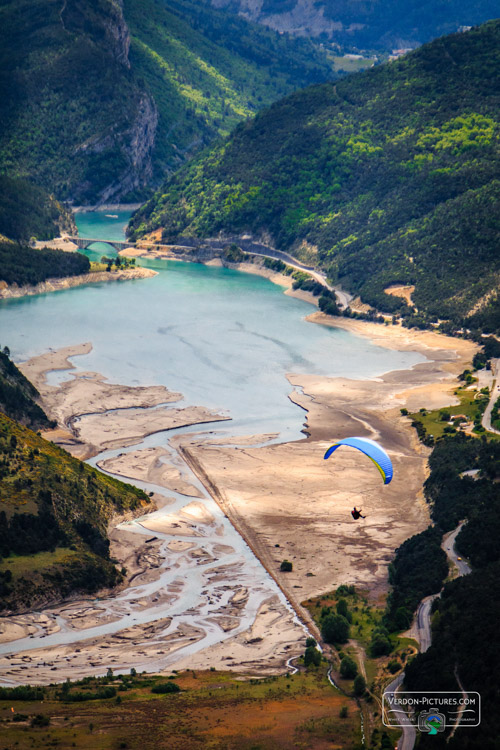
{"x":84,"y":242}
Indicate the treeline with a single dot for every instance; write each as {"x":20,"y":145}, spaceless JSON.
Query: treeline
{"x":389,"y":192}
{"x":22,"y":265}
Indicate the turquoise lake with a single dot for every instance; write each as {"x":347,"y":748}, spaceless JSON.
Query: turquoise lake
{"x":223,"y":338}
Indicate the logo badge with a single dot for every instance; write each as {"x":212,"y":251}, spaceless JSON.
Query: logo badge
{"x":431,"y":722}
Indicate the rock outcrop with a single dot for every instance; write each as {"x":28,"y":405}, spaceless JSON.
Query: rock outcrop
{"x":137,"y":144}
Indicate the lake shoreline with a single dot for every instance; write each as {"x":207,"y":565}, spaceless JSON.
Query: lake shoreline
{"x":106,"y":207}
{"x":68,"y":282}
{"x":297,"y":507}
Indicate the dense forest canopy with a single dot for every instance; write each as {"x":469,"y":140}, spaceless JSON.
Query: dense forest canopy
{"x":21,"y":264}
{"x":391,"y":173}
{"x":27,"y":211}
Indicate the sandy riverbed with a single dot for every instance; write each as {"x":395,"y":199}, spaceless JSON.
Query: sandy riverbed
{"x":284,"y":499}
{"x":94,"y":415}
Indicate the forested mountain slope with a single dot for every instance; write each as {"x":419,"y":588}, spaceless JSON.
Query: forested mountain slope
{"x":54,"y":511}
{"x":378,"y":25}
{"x":465,"y":649}
{"x":208,"y":70}
{"x":27,"y":211}
{"x":18,"y":397}
{"x":22,"y":265}
{"x":392,"y":174}
{"x":98,"y":98}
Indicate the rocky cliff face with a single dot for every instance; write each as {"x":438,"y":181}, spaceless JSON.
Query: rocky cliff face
{"x":76,"y":120}
{"x":117,"y":33}
{"x":137,"y":144}
{"x":104,"y":19}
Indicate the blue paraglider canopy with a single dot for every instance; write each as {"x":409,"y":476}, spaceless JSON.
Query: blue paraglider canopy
{"x":370,"y":448}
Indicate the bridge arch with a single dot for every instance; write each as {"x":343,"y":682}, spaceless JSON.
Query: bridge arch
{"x":84,"y":242}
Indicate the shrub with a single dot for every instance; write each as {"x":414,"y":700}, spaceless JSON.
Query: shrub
{"x":40,"y":720}
{"x":166,"y":687}
{"x":394,"y":666}
{"x":312,"y":657}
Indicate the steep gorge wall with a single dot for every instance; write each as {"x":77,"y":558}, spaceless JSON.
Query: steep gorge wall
{"x":77,"y":120}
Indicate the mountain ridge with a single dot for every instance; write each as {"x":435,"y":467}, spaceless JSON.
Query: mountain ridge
{"x":379,"y":25}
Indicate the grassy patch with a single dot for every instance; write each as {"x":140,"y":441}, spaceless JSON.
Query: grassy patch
{"x":351,"y":65}
{"x":365,"y":617}
{"x":212,"y":710}
{"x":472,"y":404}
{"x":21,"y":565}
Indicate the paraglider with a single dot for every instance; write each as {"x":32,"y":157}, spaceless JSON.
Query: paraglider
{"x":371,"y":449}
{"x":374,"y":451}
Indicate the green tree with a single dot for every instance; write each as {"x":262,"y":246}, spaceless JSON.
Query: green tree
{"x":335,"y":629}
{"x":312,"y":657}
{"x":359,"y":685}
{"x":380,"y":644}
{"x":348,"y":668}
{"x":343,"y":609}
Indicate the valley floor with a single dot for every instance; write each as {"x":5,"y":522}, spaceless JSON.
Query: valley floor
{"x":283,"y":498}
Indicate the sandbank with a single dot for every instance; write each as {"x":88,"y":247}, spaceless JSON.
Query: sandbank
{"x":149,"y":465}
{"x":93,"y":414}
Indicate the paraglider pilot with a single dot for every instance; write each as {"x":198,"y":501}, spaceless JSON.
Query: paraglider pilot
{"x":355,"y":513}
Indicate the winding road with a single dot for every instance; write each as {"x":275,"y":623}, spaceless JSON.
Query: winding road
{"x":421,"y":629}
{"x":495,"y":394}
